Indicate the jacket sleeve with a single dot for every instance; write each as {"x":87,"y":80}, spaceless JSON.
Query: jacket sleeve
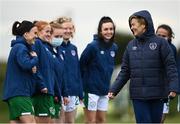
{"x":170,"y":66}
{"x":178,"y":68}
{"x":38,"y":76}
{"x":61,"y":77}
{"x":57,"y":89}
{"x":25,"y":60}
{"x":40,"y":84}
{"x":123,"y":75}
{"x":80,"y":85}
{"x":64,"y":88}
{"x":86,"y":58}
{"x":175,"y":53}
{"x":80,"y":79}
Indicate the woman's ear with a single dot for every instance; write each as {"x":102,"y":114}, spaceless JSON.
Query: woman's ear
{"x":144,"y":26}
{"x":25,"y":35}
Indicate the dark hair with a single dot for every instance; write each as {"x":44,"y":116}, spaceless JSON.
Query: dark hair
{"x":21,"y":28}
{"x":105,"y":19}
{"x":167,"y":28}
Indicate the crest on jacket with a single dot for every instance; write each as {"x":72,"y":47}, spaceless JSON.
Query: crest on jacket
{"x":134,"y":48}
{"x":153,"y":46}
{"x":112,"y":53}
{"x":73,"y":52}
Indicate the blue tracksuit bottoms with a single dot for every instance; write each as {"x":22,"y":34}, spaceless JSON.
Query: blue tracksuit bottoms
{"x":148,"y":111}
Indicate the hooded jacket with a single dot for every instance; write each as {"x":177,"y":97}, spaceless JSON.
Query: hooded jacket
{"x":149,"y":64}
{"x":60,"y":72}
{"x":72,"y":67}
{"x":173,"y":49}
{"x":97,"y":64}
{"x":18,"y":80}
{"x":45,"y":66}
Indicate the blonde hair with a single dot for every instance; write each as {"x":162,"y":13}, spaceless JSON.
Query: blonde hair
{"x":64,"y":19}
{"x":54,"y":24}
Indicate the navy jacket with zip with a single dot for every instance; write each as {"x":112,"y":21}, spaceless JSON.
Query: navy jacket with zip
{"x":173,"y":48}
{"x":45,"y":66}
{"x":149,"y":63}
{"x":97,"y":64}
{"x":60,"y":72}
{"x":18,"y":80}
{"x":72,"y":67}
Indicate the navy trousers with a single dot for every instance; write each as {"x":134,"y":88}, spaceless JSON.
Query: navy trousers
{"x":148,"y":111}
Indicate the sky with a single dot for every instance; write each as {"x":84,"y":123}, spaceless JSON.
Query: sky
{"x":86,"y":15}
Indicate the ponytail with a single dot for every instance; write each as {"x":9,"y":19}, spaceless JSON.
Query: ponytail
{"x":15,"y":28}
{"x":21,"y":28}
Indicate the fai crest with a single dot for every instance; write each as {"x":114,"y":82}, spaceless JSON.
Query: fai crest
{"x":102,"y":52}
{"x":73,"y":52}
{"x":153,"y":46}
{"x":112,"y":53}
{"x":134,"y":48}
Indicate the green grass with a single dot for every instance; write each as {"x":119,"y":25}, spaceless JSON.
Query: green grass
{"x":114,"y":115}
{"x":4,"y":114}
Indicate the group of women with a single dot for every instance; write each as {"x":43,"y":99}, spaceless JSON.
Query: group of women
{"x":45,"y":76}
{"x":46,"y":80}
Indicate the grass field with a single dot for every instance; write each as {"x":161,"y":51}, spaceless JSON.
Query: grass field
{"x":111,"y":116}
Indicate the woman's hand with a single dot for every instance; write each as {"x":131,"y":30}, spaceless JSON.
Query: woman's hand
{"x":33,"y":54}
{"x":34,"y":69}
{"x":172,"y":95}
{"x":65,"y":100}
{"x":111,"y":95}
{"x":44,"y":90}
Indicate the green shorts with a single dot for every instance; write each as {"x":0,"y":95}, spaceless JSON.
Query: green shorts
{"x":57,"y":110}
{"x":43,"y":105}
{"x":19,"y":106}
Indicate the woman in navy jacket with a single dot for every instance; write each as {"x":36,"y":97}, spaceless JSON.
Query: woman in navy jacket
{"x":43,"y":101}
{"x":60,"y":72}
{"x":72,"y":67}
{"x":97,"y":64}
{"x":166,"y":32}
{"x":18,"y":84}
{"x":147,"y":62}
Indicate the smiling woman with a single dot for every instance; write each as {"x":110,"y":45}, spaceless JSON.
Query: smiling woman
{"x":97,"y":63}
{"x":21,"y":66}
{"x":84,"y":16}
{"x":138,"y":25}
{"x":146,"y":62}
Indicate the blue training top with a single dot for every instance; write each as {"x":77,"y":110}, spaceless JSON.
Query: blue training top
{"x":97,"y":64}
{"x":46,"y":66}
{"x":72,"y":67}
{"x":18,"y":80}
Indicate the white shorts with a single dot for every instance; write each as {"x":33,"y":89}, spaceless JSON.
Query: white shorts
{"x":166,"y":108}
{"x":72,"y":105}
{"x":94,"y":102}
